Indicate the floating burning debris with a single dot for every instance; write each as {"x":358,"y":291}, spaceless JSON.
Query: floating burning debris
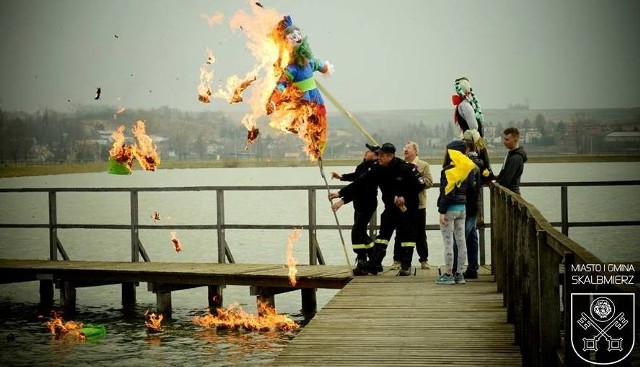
{"x":71,"y":329}
{"x":176,"y":242}
{"x":153,"y":322}
{"x":292,"y":261}
{"x":237,"y":92}
{"x":121,"y":156}
{"x":98,"y":92}
{"x":235,"y":318}
{"x":206,"y":76}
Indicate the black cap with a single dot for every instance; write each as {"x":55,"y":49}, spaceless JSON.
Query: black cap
{"x":373,"y":148}
{"x":458,"y":145}
{"x":387,"y":148}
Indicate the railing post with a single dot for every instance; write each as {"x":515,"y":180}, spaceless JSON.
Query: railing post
{"x":135,"y":241}
{"x":313,"y":253}
{"x":222,"y":243}
{"x":564,"y":207}
{"x":53,"y":229}
{"x":481,"y":241}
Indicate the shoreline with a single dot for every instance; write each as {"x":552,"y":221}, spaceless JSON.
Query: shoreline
{"x":26,"y":169}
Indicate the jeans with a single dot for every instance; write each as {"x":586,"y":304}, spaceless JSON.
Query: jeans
{"x":454,"y":230}
{"x":471,"y":237}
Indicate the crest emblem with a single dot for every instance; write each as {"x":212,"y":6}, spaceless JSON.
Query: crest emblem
{"x":603,"y":326}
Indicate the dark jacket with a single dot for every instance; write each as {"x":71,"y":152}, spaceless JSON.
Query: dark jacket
{"x":367,"y":198}
{"x":457,"y":196}
{"x":399,"y":178}
{"x":512,"y":168}
{"x":474,"y":185}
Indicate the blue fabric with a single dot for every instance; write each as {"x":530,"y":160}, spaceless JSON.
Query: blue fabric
{"x":296,"y":73}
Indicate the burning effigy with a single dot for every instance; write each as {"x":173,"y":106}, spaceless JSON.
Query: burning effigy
{"x":71,"y":329}
{"x":121,"y":155}
{"x":236,"y":318}
{"x":282,"y":81}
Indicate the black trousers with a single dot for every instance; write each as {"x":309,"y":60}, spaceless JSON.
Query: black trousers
{"x":361,"y":242}
{"x":422,"y":247}
{"x":404,"y":223}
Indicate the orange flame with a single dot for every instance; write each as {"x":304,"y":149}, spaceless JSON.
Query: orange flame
{"x":59,"y":328}
{"x":176,"y":242}
{"x":119,"y":151}
{"x":152,"y":322}
{"x":235,"y":318}
{"x":206,"y":76}
{"x":119,"y":111}
{"x":144,"y":150}
{"x":292,"y":261}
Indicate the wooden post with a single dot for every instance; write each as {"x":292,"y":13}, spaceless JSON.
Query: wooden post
{"x":67,"y":297}
{"x":163,"y":302}
{"x":531,"y":302}
{"x":222,"y":243}
{"x":549,"y":307}
{"x":128,"y":295}
{"x":215,"y":297}
{"x":309,"y":302}
{"x":46,"y":295}
{"x":564,"y":207}
{"x":313,"y":253}
{"x":53,"y":230}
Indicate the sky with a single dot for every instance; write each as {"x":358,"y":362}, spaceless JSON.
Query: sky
{"x":388,"y":55}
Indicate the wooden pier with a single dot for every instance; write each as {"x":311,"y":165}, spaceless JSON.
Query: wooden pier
{"x":266,"y":280}
{"x":403,"y":321}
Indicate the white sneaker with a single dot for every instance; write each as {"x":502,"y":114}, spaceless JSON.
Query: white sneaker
{"x":395,"y":265}
{"x":425,"y":265}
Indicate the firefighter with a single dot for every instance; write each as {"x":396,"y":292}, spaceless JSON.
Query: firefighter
{"x":400,"y":183}
{"x":364,"y":205}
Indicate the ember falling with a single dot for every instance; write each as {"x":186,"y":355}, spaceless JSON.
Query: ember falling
{"x":236,"y":318}
{"x":177,"y":245}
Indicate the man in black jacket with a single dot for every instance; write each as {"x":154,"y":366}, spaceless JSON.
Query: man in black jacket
{"x":513,"y":165}
{"x":365,"y":203}
{"x":400,"y":183}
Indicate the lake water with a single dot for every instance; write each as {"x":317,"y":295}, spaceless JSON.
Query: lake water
{"x":184,"y":343}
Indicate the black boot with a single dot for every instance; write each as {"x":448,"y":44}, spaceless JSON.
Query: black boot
{"x":375,"y":262}
{"x":405,"y":262}
{"x":361,"y":268}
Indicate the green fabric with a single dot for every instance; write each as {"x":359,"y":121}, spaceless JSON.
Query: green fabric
{"x":307,"y":84}
{"x":302,"y":53}
{"x":117,"y":168}
{"x":93,"y":331}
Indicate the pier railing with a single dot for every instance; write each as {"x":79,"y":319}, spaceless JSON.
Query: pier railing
{"x":534,"y":265}
{"x":224,"y":253}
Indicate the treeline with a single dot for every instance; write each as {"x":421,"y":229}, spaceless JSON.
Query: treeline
{"x":83,"y":135}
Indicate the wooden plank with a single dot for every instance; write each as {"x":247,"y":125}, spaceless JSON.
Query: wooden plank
{"x":390,"y":321}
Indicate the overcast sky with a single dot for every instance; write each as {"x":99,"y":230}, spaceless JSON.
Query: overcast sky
{"x":387,"y":54}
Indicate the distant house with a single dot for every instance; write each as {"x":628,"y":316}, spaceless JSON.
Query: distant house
{"x":623,"y":137}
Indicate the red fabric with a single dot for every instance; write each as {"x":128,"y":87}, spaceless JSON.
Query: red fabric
{"x":456,"y":99}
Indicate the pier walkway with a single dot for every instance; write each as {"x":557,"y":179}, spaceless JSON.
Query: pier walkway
{"x":402,"y":321}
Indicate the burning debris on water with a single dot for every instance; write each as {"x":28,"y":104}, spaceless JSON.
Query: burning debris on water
{"x":153,"y":322}
{"x":235,"y":318}
{"x":71,"y":329}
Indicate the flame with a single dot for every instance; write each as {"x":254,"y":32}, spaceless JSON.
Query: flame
{"x":152,"y":322}
{"x":206,"y":76}
{"x":144,"y":150}
{"x":235,"y":318}
{"x":292,"y":261}
{"x":59,"y":328}
{"x":272,"y":52}
{"x":213,"y":19}
{"x":176,"y":242}
{"x":119,"y":151}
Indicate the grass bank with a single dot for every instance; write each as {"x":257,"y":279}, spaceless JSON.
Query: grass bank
{"x":21,"y":170}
